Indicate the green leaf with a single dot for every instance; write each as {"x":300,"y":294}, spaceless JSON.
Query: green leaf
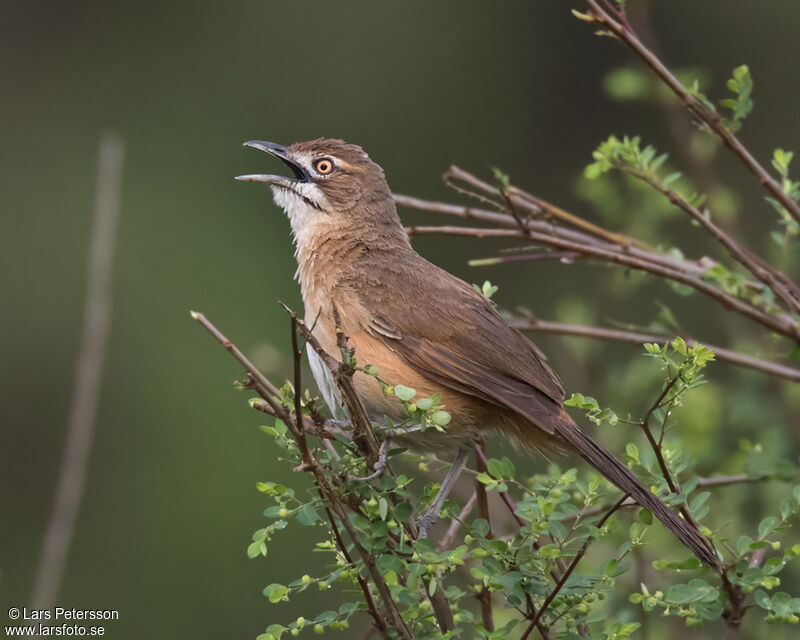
{"x":276,"y":592}
{"x":696,"y":591}
{"x":307,"y":515}
{"x":404,"y":393}
{"x":383,"y":508}
{"x":763,"y":600}
{"x":432,"y":587}
{"x":550,"y":551}
{"x":403,"y":511}
{"x":480,"y":527}
{"x":767,"y":526}
{"x":371,"y":370}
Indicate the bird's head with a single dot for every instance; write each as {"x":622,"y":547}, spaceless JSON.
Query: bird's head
{"x":330,"y":178}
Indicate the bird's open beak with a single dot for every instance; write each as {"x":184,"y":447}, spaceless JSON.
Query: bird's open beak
{"x":279,"y":151}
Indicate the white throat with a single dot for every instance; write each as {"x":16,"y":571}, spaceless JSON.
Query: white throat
{"x":307,"y":221}
{"x":306,"y":209}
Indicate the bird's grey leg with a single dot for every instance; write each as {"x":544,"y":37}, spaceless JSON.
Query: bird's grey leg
{"x":432,"y":514}
{"x":380,"y":464}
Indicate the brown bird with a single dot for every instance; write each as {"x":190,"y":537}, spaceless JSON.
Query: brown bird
{"x":422,"y":326}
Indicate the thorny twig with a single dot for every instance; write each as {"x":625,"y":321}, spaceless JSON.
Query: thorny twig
{"x":484,"y":595}
{"x":528,"y":323}
{"x":581,"y":552}
{"x":295,"y":423}
{"x":614,"y":19}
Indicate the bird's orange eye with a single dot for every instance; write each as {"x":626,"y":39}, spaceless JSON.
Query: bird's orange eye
{"x":324,"y":166}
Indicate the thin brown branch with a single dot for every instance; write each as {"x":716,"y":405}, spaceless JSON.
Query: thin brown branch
{"x":342,"y":373}
{"x":484,"y":595}
{"x":635,"y":337}
{"x":377,"y":620}
{"x":756,"y":265}
{"x":693,"y":267}
{"x":556,"y":573}
{"x":297,"y":354}
{"x":326,"y":429}
{"x":260,"y":382}
{"x":581,"y":552}
{"x":268,"y":391}
{"x":452,"y":530}
{"x":657,"y":446}
{"x":395,"y":618}
{"x":88,"y":376}
{"x":514,"y":197}
{"x":711,"y":482}
{"x":622,"y":30}
{"x":665,"y":402}
{"x":781,"y":324}
{"x":482,"y":462}
{"x":739,"y":478}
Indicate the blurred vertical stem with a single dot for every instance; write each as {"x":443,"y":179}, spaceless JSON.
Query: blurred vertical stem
{"x":88,"y":372}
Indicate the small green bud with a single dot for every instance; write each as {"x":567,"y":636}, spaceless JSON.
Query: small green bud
{"x":306,"y":579}
{"x":295,"y":632}
{"x":283,"y":512}
{"x":319,"y":629}
{"x":468,"y":539}
{"x":300,"y":622}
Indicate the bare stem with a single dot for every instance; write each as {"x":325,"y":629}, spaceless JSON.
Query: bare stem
{"x":452,"y":530}
{"x":778,"y":282}
{"x":635,"y":337}
{"x":581,"y":552}
{"x":694,"y":267}
{"x":88,"y":375}
{"x":781,"y":324}
{"x":618,"y":25}
{"x":484,"y":595}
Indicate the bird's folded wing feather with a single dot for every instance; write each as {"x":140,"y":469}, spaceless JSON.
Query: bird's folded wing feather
{"x":455,"y":337}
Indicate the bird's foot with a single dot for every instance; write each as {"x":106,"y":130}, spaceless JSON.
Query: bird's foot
{"x":425,"y":523}
{"x":380,"y":464}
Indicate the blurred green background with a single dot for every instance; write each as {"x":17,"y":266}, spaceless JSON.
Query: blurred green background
{"x":170,"y":501}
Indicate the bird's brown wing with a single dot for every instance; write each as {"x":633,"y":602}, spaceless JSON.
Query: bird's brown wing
{"x":453,"y":335}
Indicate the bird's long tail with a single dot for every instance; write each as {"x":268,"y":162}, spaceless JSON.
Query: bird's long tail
{"x":623,"y":478}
